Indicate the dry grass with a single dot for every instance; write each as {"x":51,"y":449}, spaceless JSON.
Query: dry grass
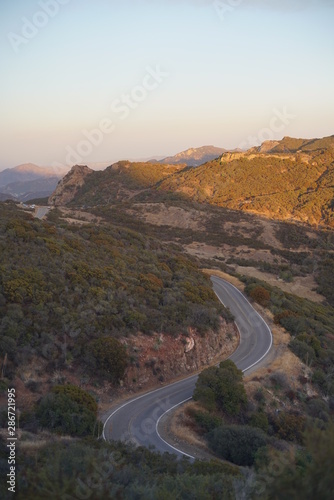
{"x":301,"y":286}
{"x":159,"y":214}
{"x":268,"y":234}
{"x":79,"y":217}
{"x":182,"y":427}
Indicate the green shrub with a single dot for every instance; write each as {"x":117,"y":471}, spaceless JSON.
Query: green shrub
{"x":260,"y":420}
{"x":289,"y":426}
{"x":318,"y":408}
{"x":63,"y":415}
{"x":302,"y":350}
{"x":207,"y":421}
{"x":221,"y":387}
{"x":78,"y":395}
{"x":238,"y":444}
{"x":108,"y":358}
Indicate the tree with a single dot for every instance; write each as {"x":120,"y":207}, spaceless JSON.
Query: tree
{"x":222,"y":388}
{"x":108,"y":358}
{"x":68,"y":410}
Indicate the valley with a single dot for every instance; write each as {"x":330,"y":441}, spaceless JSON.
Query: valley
{"x":106,"y":288}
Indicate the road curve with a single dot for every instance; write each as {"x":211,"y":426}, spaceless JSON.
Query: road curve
{"x":137,"y":420}
{"x":41,"y":212}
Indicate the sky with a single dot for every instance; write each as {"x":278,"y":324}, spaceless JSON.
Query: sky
{"x":101,"y":80}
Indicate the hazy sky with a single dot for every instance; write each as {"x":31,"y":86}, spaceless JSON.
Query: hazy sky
{"x":101,"y":80}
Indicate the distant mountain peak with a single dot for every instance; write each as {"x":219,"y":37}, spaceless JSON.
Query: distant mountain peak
{"x":27,"y":167}
{"x":28,"y":180}
{"x":194,"y":157}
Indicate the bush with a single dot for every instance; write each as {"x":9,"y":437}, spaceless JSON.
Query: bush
{"x":303,"y":351}
{"x":207,"y":421}
{"x":78,"y":395}
{"x":318,"y":408}
{"x":290,"y":427}
{"x":108,"y":358}
{"x":260,"y":420}
{"x":260,"y":295}
{"x":307,"y":475}
{"x":319,"y":379}
{"x":282,"y":315}
{"x":238,"y":444}
{"x":221,"y":387}
{"x":63,"y":415}
{"x":259,"y":396}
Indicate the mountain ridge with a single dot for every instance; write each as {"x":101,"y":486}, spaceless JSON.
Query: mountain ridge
{"x":266,"y":180}
{"x":28,"y":181}
{"x":194,"y":157}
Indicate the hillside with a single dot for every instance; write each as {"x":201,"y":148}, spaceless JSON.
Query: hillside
{"x":28,"y":181}
{"x":213,"y":210}
{"x":293,"y":179}
{"x":71,"y":284}
{"x":5,"y":196}
{"x":120,"y":181}
{"x":38,"y":188}
{"x":291,"y":145}
{"x":25,"y":172}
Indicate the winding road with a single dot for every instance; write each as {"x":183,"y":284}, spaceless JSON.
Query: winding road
{"x":137,"y":420}
{"x":41,"y":212}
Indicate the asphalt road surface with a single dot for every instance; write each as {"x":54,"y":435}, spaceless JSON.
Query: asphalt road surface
{"x":41,"y":212}
{"x":137,"y":420}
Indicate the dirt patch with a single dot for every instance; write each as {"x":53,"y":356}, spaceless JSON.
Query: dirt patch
{"x":161,"y":215}
{"x":79,"y":217}
{"x":76,"y":221}
{"x":268,"y":234}
{"x":302,"y":286}
{"x":226,"y":251}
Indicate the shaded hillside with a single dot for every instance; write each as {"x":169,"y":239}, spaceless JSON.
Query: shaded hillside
{"x":28,"y":181}
{"x":194,"y":157}
{"x":120,"y":181}
{"x":27,"y":172}
{"x":276,"y":183}
{"x":4,"y":197}
{"x":70,"y":285}
{"x":27,"y":190}
{"x":21,"y":173}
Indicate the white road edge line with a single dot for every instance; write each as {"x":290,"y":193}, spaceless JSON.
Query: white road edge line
{"x":136,"y":399}
{"x":248,"y":368}
{"x":269,"y":330}
{"x":157,"y":428}
{"x":188,"y":399}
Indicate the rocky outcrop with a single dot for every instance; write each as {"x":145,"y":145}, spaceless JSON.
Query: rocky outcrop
{"x":161,"y":358}
{"x":68,"y":187}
